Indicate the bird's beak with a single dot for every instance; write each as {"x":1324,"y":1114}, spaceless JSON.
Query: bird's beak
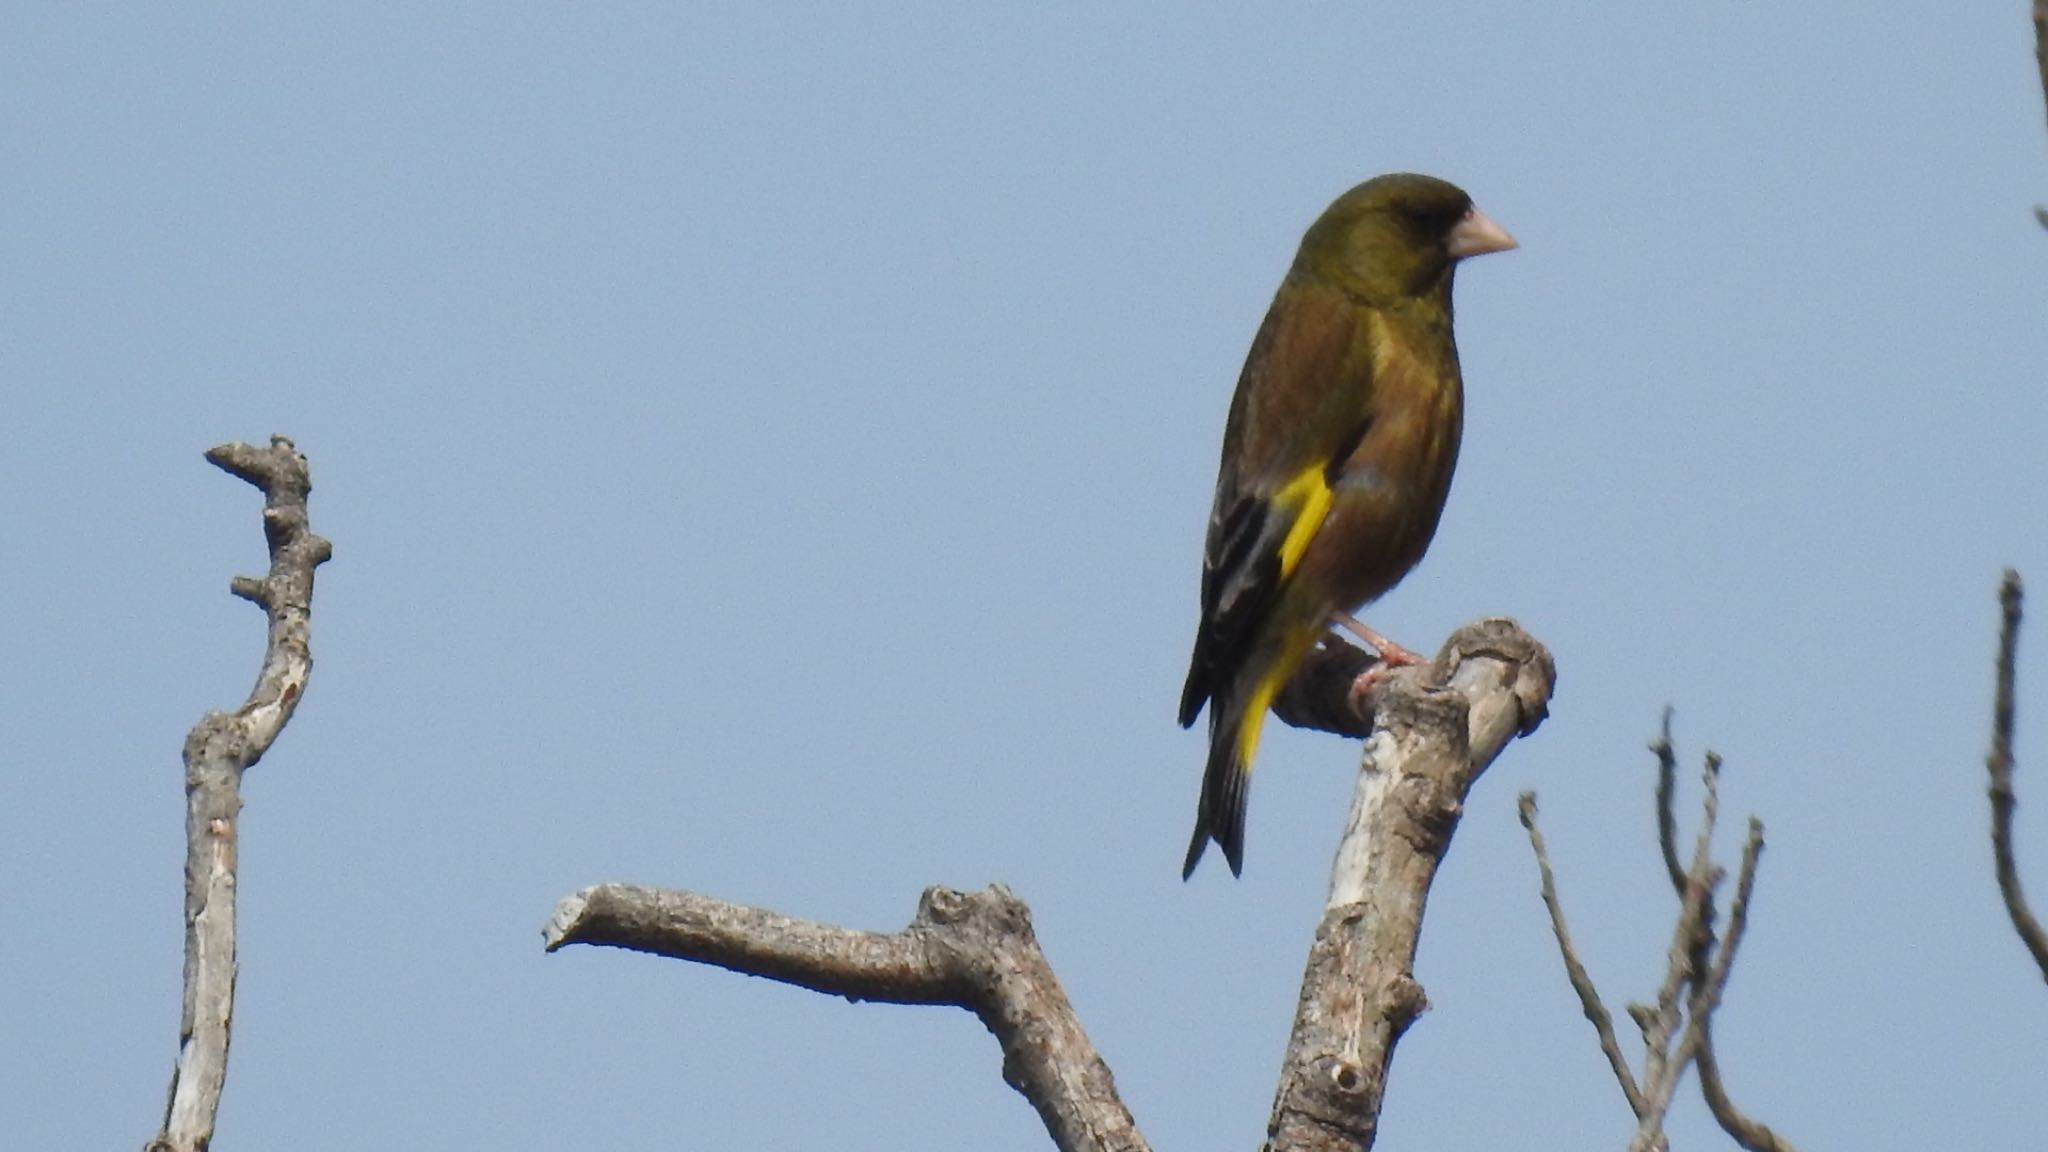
{"x":1476,"y":235}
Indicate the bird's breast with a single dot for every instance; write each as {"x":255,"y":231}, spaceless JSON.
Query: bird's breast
{"x":1416,"y":413}
{"x":1389,"y":492}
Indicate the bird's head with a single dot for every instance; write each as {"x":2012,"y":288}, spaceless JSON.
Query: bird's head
{"x":1397,"y":237}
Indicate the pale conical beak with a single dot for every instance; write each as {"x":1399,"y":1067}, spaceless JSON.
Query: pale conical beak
{"x":1476,"y":235}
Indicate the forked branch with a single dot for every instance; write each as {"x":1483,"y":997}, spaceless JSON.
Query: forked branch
{"x":1677,"y":1029}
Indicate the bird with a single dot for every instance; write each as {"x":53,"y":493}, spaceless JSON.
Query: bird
{"x":1337,"y":459}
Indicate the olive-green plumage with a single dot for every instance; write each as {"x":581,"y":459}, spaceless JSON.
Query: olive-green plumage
{"x":1337,"y":458}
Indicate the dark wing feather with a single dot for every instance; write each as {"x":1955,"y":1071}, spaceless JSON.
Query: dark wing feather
{"x":1240,"y":576}
{"x":1280,"y":419}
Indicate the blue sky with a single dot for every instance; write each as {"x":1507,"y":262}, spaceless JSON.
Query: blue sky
{"x":767,"y":452}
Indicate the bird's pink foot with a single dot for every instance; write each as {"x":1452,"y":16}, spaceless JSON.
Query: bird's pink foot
{"x":1359,"y":698}
{"x":1392,"y":655}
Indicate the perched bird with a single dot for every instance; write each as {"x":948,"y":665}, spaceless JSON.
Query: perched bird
{"x":1337,"y":458}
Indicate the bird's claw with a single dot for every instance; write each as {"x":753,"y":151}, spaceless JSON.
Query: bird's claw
{"x":1392,"y":655}
{"x":1359,"y":698}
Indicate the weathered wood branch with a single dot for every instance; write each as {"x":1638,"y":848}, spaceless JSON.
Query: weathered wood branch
{"x":218,"y":750}
{"x":2000,"y":762}
{"x":975,"y":950}
{"x":1434,"y":730}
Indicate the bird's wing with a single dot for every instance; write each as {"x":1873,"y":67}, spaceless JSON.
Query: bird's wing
{"x":1301,"y":406}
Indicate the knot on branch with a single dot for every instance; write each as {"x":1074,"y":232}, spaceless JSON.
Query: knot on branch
{"x":1431,"y":812}
{"x":251,"y":589}
{"x":1337,"y":1098}
{"x":1405,"y":1002}
{"x":1493,"y":654}
{"x":993,"y":911}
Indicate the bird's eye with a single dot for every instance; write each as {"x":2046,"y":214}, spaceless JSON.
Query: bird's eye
{"x":1426,"y":216}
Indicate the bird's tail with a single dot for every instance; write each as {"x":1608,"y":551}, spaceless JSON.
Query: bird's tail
{"x":1227,"y":780}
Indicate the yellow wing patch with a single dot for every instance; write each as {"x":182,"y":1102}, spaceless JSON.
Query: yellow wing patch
{"x":1307,"y":497}
{"x":1305,"y":500}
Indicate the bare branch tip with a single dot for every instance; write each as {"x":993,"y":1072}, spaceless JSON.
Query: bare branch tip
{"x":563,"y":921}
{"x":237,"y":459}
{"x":1667,"y":804}
{"x":2000,"y":763}
{"x":1710,"y":803}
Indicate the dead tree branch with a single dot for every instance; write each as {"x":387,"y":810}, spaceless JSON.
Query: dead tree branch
{"x":1748,"y":1132}
{"x":1434,"y":731}
{"x":2041,"y":61}
{"x":1677,"y":1030}
{"x":975,"y":950}
{"x":1667,"y":804}
{"x":218,"y":750}
{"x":2041,"y":44}
{"x":2000,"y":762}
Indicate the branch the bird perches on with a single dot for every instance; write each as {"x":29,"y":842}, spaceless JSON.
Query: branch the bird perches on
{"x":1433,"y":730}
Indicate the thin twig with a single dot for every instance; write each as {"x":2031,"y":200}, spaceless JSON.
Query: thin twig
{"x":2041,"y":61}
{"x":1700,"y":880}
{"x":1669,"y":1043}
{"x":2000,"y":762}
{"x":1752,"y":1134}
{"x":221,"y":747}
{"x":1677,"y":1028}
{"x":1667,"y":804}
{"x":2041,"y":46}
{"x":1574,"y":969}
{"x":1738,"y":919}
